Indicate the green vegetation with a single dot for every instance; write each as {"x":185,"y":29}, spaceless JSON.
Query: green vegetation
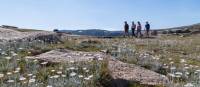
{"x":174,"y":56}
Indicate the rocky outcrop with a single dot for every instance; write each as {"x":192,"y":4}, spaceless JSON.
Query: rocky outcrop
{"x":131,"y":72}
{"x":9,"y":34}
{"x":120,"y":72}
{"x":12,"y":38}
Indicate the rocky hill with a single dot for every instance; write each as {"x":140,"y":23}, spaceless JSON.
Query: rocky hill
{"x":10,"y":34}
{"x":192,"y":29}
{"x":12,"y":37}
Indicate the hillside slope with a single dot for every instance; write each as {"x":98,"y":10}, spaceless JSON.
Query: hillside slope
{"x":192,"y":29}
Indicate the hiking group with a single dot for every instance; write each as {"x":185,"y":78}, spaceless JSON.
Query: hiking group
{"x":137,"y":28}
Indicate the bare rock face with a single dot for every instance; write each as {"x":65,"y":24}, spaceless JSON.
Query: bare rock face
{"x":9,"y":37}
{"x":131,"y":72}
{"x":63,"y":55}
{"x":9,"y":34}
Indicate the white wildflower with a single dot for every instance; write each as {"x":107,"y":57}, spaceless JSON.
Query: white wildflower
{"x":178,"y":76}
{"x":63,"y":76}
{"x":44,"y":63}
{"x":20,"y":48}
{"x":30,"y":75}
{"x":8,"y":58}
{"x":59,"y":72}
{"x":10,"y":81}
{"x":72,"y":74}
{"x":71,"y":68}
{"x":84,"y":68}
{"x":1,"y":75}
{"x":14,"y":54}
{"x":80,"y":76}
{"x":25,"y":82}
{"x":100,"y":59}
{"x":22,"y":78}
{"x":16,"y":71}
{"x":198,"y":70}
{"x":87,"y":78}
{"x":53,"y":70}
{"x":154,"y":57}
{"x":173,"y":68}
{"x":183,"y":61}
{"x":35,"y":60}
{"x":179,"y":73}
{"x":186,"y":67}
{"x":56,"y":76}
{"x":71,"y":61}
{"x":172,"y":75}
{"x":51,"y":77}
{"x":3,"y":53}
{"x":49,"y":86}
{"x":171,"y":62}
{"x":187,"y":73}
{"x":90,"y":76}
{"x":34,"y":76}
{"x":157,"y":58}
{"x":31,"y":80}
{"x":69,"y":56}
{"x":163,"y":76}
{"x":9,"y":73}
{"x":189,"y":85}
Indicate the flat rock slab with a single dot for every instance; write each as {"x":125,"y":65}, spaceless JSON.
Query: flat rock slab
{"x":63,"y":55}
{"x":118,"y":69}
{"x":131,"y":72}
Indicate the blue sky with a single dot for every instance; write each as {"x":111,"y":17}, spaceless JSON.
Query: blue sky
{"x":98,"y":14}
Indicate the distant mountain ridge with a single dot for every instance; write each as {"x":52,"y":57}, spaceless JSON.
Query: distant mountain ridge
{"x":190,"y":29}
{"x":195,"y":28}
{"x":94,"y":32}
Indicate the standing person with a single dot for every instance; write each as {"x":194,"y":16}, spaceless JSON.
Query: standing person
{"x":126,"y":29}
{"x":139,"y":29}
{"x":147,"y":26}
{"x":133,"y":27}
